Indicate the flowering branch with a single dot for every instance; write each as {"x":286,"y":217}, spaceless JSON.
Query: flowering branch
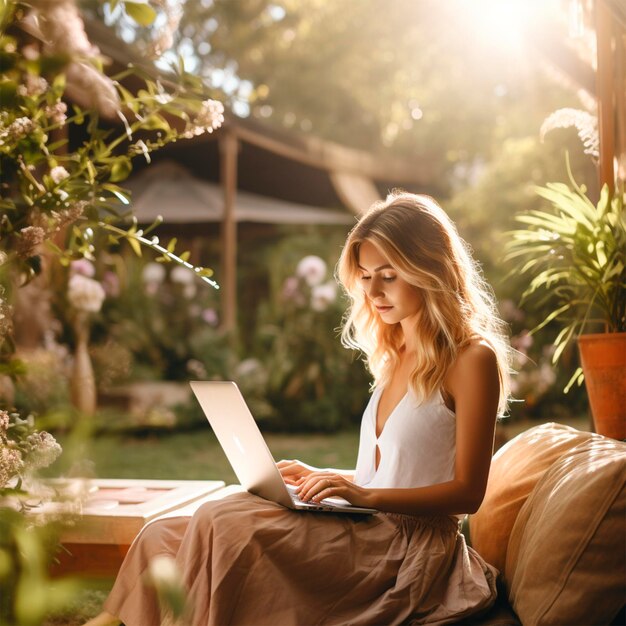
{"x":135,"y":237}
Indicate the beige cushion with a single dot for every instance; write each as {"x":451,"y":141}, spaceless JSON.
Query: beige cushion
{"x":566,"y":561}
{"x":515,"y":470}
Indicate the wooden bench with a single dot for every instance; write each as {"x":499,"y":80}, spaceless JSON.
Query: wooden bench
{"x":114,"y":512}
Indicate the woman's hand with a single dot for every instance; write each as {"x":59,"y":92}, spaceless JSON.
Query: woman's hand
{"x":319,"y":485}
{"x":294,"y":470}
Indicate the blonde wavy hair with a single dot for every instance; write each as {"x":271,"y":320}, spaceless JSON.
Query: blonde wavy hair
{"x":422,"y":244}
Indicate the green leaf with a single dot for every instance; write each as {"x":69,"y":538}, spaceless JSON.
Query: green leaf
{"x":562,"y":340}
{"x":8,"y":93}
{"x":552,"y":316}
{"x":140,"y":11}
{"x":128,"y":98}
{"x":120,"y":169}
{"x":58,"y":84}
{"x":135,"y":245}
{"x":155,"y":122}
{"x":577,"y":378}
{"x":171,"y":246}
{"x":91,"y":171}
{"x":79,"y":116}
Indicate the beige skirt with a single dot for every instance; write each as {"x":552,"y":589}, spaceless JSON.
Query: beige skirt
{"x":245,"y":560}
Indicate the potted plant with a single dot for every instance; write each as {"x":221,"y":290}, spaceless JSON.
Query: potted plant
{"x":576,"y":255}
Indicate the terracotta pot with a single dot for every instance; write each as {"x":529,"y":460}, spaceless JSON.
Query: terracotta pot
{"x":603,"y":359}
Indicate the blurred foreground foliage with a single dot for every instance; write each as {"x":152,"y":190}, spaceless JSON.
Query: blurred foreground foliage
{"x":52,"y":204}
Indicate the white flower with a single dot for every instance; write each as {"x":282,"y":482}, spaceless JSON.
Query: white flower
{"x":33,"y":86}
{"x":44,"y":451}
{"x":57,"y":113}
{"x":153,"y":273}
{"x":209,"y":118}
{"x":247,"y":367}
{"x":163,"y":571}
{"x":85,"y":294}
{"x":312,"y":269}
{"x":252,"y":373}
{"x":181,"y":275}
{"x":586,"y":124}
{"x":196,"y":368}
{"x":322,"y":296}
{"x":58,"y":174}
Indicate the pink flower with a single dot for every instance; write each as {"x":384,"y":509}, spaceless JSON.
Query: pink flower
{"x":322,"y":296}
{"x":290,"y":288}
{"x":522,"y":342}
{"x":83,"y":267}
{"x":312,"y":269}
{"x":111,"y":284}
{"x":210,"y":317}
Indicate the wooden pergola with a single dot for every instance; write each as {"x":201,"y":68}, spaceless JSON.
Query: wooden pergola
{"x":351,"y":179}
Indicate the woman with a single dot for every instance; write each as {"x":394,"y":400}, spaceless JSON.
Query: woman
{"x":439,"y":358}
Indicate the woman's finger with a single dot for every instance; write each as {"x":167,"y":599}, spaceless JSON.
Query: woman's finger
{"x":314,"y":485}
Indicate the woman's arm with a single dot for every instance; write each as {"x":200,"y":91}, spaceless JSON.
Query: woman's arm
{"x":473,"y":383}
{"x":294,"y":471}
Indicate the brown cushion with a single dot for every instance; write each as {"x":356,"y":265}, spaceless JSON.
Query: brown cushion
{"x":566,"y":561}
{"x":515,"y":470}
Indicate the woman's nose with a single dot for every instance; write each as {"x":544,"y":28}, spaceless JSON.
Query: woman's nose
{"x":375,"y":288}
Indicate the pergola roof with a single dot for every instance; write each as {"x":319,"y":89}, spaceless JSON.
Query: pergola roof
{"x":168,"y":189}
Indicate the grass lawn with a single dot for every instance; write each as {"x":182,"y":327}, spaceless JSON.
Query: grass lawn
{"x":196,"y":455}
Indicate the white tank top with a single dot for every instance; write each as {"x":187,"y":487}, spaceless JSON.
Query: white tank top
{"x":417,"y":444}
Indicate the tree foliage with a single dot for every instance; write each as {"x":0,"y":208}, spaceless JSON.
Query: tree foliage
{"x":412,"y":77}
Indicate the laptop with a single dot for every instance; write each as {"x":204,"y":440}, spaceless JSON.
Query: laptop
{"x":248,"y":453}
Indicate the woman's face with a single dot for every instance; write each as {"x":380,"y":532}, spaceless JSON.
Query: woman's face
{"x":393,"y":297}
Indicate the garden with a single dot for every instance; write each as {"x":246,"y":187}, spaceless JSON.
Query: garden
{"x":104,"y":319}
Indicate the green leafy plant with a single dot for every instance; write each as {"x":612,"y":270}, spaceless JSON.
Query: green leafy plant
{"x":576,"y":255}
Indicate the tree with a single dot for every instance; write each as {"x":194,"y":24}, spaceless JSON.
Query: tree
{"x":406,"y":76}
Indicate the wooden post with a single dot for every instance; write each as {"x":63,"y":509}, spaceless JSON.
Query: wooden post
{"x":620,"y":103}
{"x":229,"y":147}
{"x":605,"y":94}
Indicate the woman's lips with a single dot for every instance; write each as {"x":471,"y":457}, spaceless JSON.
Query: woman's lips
{"x":383,"y":309}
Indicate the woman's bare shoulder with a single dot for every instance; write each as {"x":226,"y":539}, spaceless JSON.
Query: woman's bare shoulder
{"x":476,"y":359}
